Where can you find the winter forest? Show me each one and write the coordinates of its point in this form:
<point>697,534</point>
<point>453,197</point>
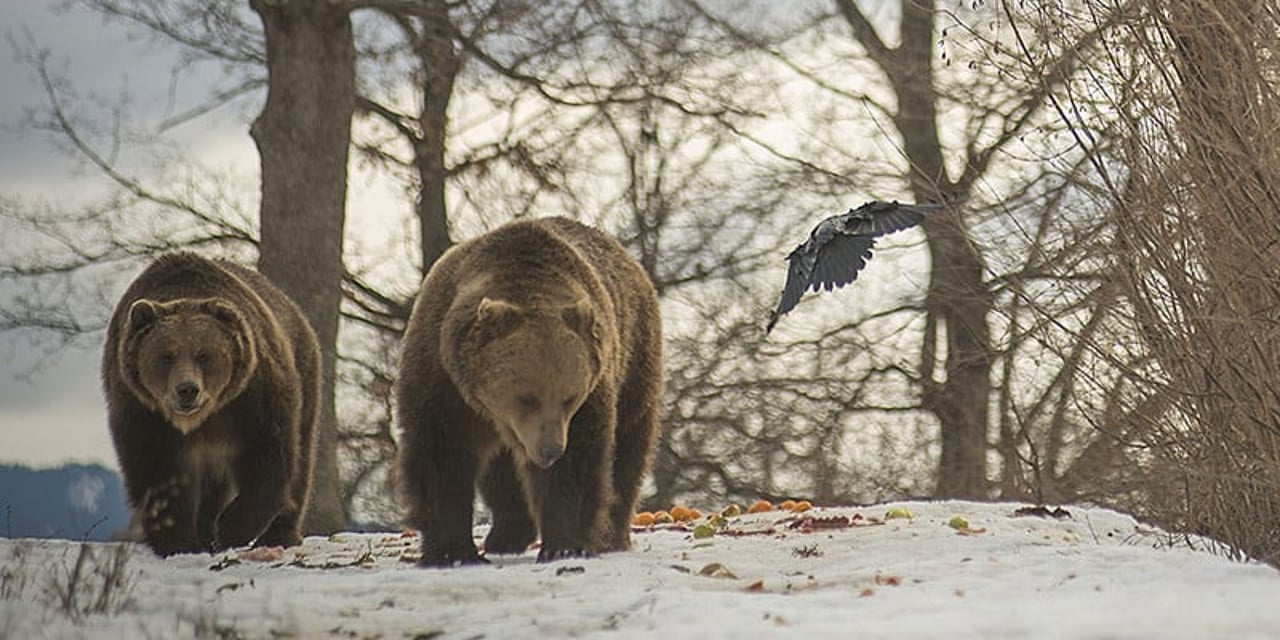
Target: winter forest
<point>1093,319</point>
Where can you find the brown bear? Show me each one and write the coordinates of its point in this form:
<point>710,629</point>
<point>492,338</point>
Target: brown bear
<point>531,366</point>
<point>211,376</point>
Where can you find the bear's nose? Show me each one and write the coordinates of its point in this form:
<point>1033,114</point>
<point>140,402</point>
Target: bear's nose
<point>187,392</point>
<point>548,453</point>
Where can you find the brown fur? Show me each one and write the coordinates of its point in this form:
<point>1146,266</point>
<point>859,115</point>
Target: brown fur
<point>532,366</point>
<point>211,376</point>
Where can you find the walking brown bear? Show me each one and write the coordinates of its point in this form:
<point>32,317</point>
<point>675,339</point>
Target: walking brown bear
<point>211,376</point>
<point>531,366</point>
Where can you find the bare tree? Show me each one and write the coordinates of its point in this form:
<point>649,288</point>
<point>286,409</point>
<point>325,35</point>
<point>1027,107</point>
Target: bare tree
<point>1196,263</point>
<point>945,131</point>
<point>709,141</point>
<point>1171,356</point>
<point>63,256</point>
<point>303,135</point>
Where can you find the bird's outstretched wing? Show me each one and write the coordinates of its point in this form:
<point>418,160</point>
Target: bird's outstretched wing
<point>840,246</point>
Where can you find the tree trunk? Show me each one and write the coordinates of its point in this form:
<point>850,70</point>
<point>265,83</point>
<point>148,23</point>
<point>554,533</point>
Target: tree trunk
<point>303,135</point>
<point>439,63</point>
<point>957,301</point>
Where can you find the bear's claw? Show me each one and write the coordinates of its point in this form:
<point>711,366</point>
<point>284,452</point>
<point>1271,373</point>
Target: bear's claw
<point>448,562</point>
<point>551,555</point>
<point>446,558</point>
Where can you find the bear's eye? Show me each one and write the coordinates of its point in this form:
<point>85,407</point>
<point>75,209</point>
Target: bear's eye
<point>202,357</point>
<point>528,402</point>
<point>168,358</point>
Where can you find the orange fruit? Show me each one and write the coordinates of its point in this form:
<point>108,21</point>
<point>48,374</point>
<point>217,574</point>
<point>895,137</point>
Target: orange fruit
<point>787,505</point>
<point>642,519</point>
<point>802,506</point>
<point>680,513</point>
<point>662,517</point>
<point>760,506</point>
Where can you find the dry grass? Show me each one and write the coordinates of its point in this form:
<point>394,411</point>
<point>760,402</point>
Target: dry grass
<point>96,581</point>
<point>1180,116</point>
<point>14,574</point>
<point>1198,257</point>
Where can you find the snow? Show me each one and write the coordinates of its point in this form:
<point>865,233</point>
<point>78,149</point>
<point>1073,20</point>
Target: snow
<point>1093,574</point>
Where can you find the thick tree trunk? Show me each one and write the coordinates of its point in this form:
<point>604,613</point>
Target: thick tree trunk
<point>439,63</point>
<point>303,134</point>
<point>957,301</point>
<point>958,304</point>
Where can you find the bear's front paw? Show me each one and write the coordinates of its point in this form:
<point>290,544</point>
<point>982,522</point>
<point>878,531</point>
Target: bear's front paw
<point>443,556</point>
<point>279,539</point>
<point>508,541</point>
<point>438,558</point>
<point>158,523</point>
<point>165,545</point>
<point>619,540</point>
<point>244,519</point>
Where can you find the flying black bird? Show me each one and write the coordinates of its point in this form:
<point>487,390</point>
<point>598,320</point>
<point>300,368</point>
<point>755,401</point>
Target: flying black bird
<point>840,246</point>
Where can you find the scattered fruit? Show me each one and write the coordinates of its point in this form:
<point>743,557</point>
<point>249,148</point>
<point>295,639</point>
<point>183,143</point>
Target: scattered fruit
<point>662,517</point>
<point>760,506</point>
<point>717,570</point>
<point>958,522</point>
<point>704,530</point>
<point>680,513</point>
<point>898,512</point>
<point>642,519</point>
<point>732,511</point>
<point>802,506</point>
<point>787,505</point>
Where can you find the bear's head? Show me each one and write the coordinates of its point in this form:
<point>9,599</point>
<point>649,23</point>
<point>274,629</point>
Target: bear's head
<point>186,358</point>
<point>532,368</point>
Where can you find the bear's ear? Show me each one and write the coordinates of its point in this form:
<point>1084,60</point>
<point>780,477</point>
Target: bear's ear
<point>230,317</point>
<point>492,309</point>
<point>142,313</point>
<point>581,317</point>
<point>222,311</point>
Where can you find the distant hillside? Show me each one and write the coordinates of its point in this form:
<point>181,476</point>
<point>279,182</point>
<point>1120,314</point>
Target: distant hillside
<point>76,502</point>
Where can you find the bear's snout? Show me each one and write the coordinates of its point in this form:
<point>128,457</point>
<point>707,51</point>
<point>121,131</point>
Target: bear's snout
<point>186,396</point>
<point>547,454</point>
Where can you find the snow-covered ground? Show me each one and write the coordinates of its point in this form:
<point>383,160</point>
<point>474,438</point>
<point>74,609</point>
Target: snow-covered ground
<point>820,574</point>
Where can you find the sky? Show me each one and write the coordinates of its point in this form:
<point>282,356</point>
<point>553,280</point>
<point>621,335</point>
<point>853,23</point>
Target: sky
<point>1092,574</point>
<point>51,408</point>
